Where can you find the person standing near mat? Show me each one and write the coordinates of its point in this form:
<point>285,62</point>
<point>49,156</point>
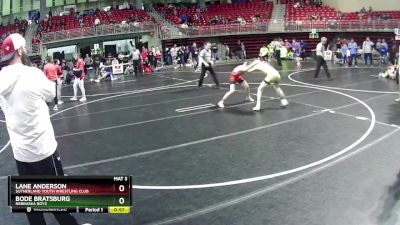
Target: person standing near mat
<point>272,77</point>
<point>296,52</point>
<point>353,53</point>
<point>367,50</point>
<point>320,53</point>
<point>59,81</point>
<point>135,54</point>
<point>278,47</point>
<point>79,72</point>
<point>206,61</point>
<point>51,74</point>
<point>24,91</point>
<point>398,75</point>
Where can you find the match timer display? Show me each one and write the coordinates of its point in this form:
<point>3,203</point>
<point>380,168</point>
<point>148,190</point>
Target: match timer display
<point>72,194</point>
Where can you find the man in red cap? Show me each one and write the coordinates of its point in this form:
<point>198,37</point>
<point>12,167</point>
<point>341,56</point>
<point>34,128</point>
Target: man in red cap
<point>24,91</point>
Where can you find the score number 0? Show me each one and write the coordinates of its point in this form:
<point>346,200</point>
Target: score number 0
<point>121,200</point>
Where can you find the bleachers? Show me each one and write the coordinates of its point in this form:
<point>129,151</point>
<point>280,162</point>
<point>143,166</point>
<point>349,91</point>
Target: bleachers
<point>245,10</point>
<point>6,29</point>
<point>12,28</point>
<point>189,11</point>
<point>329,13</point>
<point>304,12</point>
<point>117,16</point>
<point>372,15</point>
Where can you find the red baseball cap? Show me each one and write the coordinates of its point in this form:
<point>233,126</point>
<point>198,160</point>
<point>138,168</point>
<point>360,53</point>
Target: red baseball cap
<point>10,45</point>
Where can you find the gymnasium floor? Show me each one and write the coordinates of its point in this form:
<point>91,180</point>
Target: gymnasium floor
<point>331,157</point>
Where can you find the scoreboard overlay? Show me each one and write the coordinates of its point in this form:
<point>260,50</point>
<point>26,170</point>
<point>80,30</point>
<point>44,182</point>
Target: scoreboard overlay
<point>70,194</point>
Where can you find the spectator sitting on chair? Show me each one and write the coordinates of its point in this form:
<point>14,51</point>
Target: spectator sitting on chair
<point>81,22</point>
<point>184,18</point>
<point>297,5</point>
<point>97,22</point>
<point>184,26</point>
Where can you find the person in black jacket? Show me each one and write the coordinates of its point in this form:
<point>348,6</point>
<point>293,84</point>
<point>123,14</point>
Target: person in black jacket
<point>151,59</point>
<point>194,51</point>
<point>238,51</point>
<point>96,65</point>
<point>214,51</point>
<point>181,56</point>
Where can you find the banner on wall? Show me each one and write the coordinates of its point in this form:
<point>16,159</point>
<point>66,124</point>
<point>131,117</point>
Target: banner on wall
<point>328,55</point>
<point>118,68</point>
<point>397,34</point>
<point>32,15</point>
<point>67,8</point>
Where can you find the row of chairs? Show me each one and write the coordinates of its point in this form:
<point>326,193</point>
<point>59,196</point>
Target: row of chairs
<point>245,10</point>
<point>117,16</point>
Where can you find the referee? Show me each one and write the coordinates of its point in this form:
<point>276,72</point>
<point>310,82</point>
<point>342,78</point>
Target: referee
<point>278,46</point>
<point>135,54</point>
<point>24,91</point>
<point>320,52</point>
<point>206,65</point>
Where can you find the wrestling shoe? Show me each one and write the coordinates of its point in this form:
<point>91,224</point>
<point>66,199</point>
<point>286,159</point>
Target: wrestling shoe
<point>284,102</point>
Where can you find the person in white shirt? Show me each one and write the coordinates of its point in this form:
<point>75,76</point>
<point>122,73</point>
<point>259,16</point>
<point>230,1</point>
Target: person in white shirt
<point>272,77</point>
<point>320,52</point>
<point>174,55</point>
<point>184,26</point>
<point>97,22</point>
<point>278,47</point>
<point>24,91</point>
<point>135,54</point>
<point>206,62</point>
<point>367,49</point>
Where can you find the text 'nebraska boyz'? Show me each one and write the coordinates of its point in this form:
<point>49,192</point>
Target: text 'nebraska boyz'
<point>39,200</point>
<point>39,188</point>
